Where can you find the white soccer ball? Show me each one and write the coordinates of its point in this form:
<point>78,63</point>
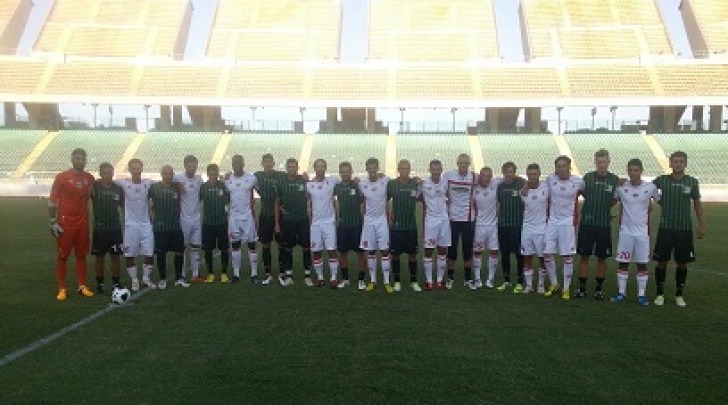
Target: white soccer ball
<point>120,296</point>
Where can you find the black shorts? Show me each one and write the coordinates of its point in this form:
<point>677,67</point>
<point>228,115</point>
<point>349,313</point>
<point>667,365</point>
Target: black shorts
<point>679,241</point>
<point>509,240</point>
<point>111,242</point>
<point>168,241</point>
<point>348,238</point>
<point>296,233</point>
<point>266,229</point>
<point>594,240</point>
<point>215,237</point>
<point>403,242</point>
<point>466,230</point>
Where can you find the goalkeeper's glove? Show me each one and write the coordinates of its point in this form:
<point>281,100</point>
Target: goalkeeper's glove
<point>55,229</point>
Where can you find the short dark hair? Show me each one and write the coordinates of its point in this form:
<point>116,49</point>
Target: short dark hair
<point>105,165</point>
<point>213,166</point>
<point>190,159</point>
<point>635,162</point>
<point>509,164</point>
<point>267,156</point>
<point>291,160</point>
<point>679,154</point>
<point>372,161</point>
<point>435,162</point>
<point>345,164</point>
<point>601,153</point>
<point>78,151</point>
<point>238,157</point>
<point>564,158</point>
<point>533,166</point>
<point>320,160</point>
<point>135,160</point>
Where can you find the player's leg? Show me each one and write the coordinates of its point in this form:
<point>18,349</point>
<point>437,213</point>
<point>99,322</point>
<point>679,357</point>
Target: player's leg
<point>223,244</point>
<point>427,265</point>
<point>456,231</point>
<point>81,250</point>
<point>515,246</point>
<point>684,254</point>
<point>117,247</point>
<point>343,249</point>
<point>603,250</point>
<point>208,245</point>
<point>132,236</point>
<point>176,245</point>
<point>467,238</point>
<point>567,249</point>
<point>362,266</point>
<point>586,239</point>
<point>63,249</point>
<point>317,246</point>
<point>195,245</point>
<point>96,252</point>
<point>444,243</point>
<point>664,245</point>
<point>235,234</point>
<point>550,248</point>
<point>147,250</point>
<point>266,227</point>
<point>441,266</point>
<point>412,249</point>
<point>287,242</point>
<point>478,248</point>
<point>396,255</point>
<point>253,260</point>
<point>527,251</point>
<point>161,246</point>
<point>505,258</point>
<point>368,243</point>
<point>330,244</point>
<point>382,241</point>
<point>303,238</point>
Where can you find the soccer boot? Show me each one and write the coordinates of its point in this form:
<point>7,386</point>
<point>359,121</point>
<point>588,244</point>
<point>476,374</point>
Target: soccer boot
<point>518,289</point>
<point>84,291</point>
<point>428,286</point>
<point>282,279</point>
<point>440,285</point>
<point>135,285</point>
<point>198,279</point>
<point>397,286</point>
<point>565,295</point>
<point>680,301</point>
<point>149,284</point>
<point>478,283</point>
<point>210,278</point>
<point>100,289</point>
<point>504,286</point>
<point>162,284</point>
<point>618,298</point>
<point>642,300</point>
<point>320,282</point>
<point>489,284</point>
<point>553,288</point>
<point>580,294</point>
<point>540,289</point>
<point>308,281</point>
<point>528,290</point>
<point>388,288</point>
<point>362,285</point>
<point>224,278</point>
<point>61,296</point>
<point>334,284</point>
<point>449,283</point>
<point>469,285</point>
<point>343,284</point>
<point>415,286</point>
<point>254,279</point>
<point>599,295</point>
<point>660,300</point>
<point>370,287</point>
<point>233,280</point>
<point>267,279</point>
<point>181,282</point>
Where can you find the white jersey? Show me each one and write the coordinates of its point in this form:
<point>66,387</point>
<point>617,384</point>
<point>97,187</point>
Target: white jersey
<point>375,199</point>
<point>434,196</point>
<point>321,194</point>
<point>136,201</point>
<point>635,202</point>
<point>190,203</point>
<point>241,195</point>
<point>485,199</point>
<point>460,190</point>
<point>536,208</point>
<point>563,198</point>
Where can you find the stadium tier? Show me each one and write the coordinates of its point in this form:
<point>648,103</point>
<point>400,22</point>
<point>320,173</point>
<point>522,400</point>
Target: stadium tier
<point>112,79</point>
<point>707,154</point>
<point>253,146</point>
<point>692,80</point>
<point>20,77</point>
<point>520,149</point>
<point>349,83</point>
<point>621,147</point>
<point>420,149</point>
<point>417,83</point>
<point>16,145</point>
<point>531,82</point>
<point>169,148</point>
<point>274,82</point>
<point>352,148</point>
<point>619,81</point>
<point>175,80</point>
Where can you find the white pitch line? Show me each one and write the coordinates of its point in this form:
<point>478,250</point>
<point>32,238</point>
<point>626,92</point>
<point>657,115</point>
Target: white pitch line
<point>717,273</point>
<point>9,358</point>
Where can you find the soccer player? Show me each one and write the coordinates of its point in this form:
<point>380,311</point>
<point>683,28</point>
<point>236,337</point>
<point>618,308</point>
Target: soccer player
<point>166,199</point>
<point>510,223</point>
<point>535,197</point>
<point>595,231</point>
<point>215,197</point>
<point>635,197</point>
<point>485,199</point>
<point>107,238</point>
<point>323,222</point>
<point>460,183</point>
<point>190,220</point>
<point>404,193</point>
<point>560,234</point>
<point>267,179</point>
<point>375,232</point>
<point>437,225</point>
<point>241,219</point>
<point>138,235</point>
<point>68,222</point>
<point>675,232</point>
<point>349,224</point>
<point>292,222</point>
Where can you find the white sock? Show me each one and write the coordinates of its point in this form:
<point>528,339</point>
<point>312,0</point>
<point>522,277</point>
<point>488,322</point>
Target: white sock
<point>441,264</point>
<point>334,267</point>
<point>318,267</point>
<point>528,274</point>
<point>551,270</point>
<point>385,269</point>
<point>568,272</point>
<point>372,266</point>
<point>235,256</point>
<point>541,277</point>
<point>492,267</point>
<point>132,271</point>
<point>427,264</point>
<point>622,277</point>
<point>477,265</point>
<point>641,284</point>
<point>195,262</point>
<point>147,270</point>
<point>253,257</point>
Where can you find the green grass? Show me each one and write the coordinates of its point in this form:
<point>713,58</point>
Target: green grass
<point>244,344</point>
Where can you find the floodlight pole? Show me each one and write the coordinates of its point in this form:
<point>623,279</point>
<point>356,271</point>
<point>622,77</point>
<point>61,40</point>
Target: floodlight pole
<point>401,119</point>
<point>146,113</point>
<point>453,110</point>
<point>613,110</point>
<point>593,114</point>
<point>95,106</point>
<point>558,111</point>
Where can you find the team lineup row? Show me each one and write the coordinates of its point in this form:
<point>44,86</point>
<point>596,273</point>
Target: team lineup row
<point>490,218</point>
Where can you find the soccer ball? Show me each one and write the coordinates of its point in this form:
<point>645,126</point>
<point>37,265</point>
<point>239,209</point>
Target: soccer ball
<point>120,296</point>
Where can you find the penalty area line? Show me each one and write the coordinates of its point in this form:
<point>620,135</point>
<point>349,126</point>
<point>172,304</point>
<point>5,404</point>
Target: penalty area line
<point>9,358</point>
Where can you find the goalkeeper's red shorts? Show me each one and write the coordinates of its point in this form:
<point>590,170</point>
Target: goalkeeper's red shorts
<point>74,238</point>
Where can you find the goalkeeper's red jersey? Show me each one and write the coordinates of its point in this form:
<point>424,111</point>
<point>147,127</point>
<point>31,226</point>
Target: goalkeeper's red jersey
<point>70,193</point>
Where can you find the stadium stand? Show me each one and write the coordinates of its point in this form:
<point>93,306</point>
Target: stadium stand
<point>712,17</point>
<point>349,83</point>
<point>617,80</point>
<point>707,154</point>
<point>15,146</point>
<point>621,147</point>
<point>179,80</point>
<point>531,148</point>
<point>352,148</point>
<point>427,82</point>
<point>693,79</point>
<point>112,79</point>
<point>522,82</point>
<point>420,148</point>
<point>169,148</point>
<point>253,145</point>
<point>19,76</point>
<point>272,81</point>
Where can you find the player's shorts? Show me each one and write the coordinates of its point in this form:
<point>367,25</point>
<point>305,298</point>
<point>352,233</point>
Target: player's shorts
<point>169,241</point>
<point>242,229</point>
<point>73,238</point>
<point>296,233</point>
<point>111,242</point>
<point>348,238</point>
<point>509,239</point>
<point>594,240</point>
<point>375,236</point>
<point>485,238</point>
<point>403,241</point>
<point>266,229</point>
<point>679,241</point>
<point>215,236</point>
<point>532,242</point>
<point>437,233</point>
<point>633,248</point>
<point>138,240</point>
<point>466,231</point>
<point>191,230</point>
<point>323,237</point>
<point>560,239</point>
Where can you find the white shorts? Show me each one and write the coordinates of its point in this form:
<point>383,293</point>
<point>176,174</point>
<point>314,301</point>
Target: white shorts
<point>323,237</point>
<point>191,230</point>
<point>486,238</point>
<point>532,243</point>
<point>242,229</point>
<point>633,248</point>
<point>138,240</point>
<point>437,233</point>
<point>560,239</point>
<point>374,236</point>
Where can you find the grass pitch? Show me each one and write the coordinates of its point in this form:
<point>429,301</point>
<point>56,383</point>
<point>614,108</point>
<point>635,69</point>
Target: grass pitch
<point>220,343</point>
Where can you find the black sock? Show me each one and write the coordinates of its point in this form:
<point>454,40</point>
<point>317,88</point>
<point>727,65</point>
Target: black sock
<point>162,265</point>
<point>116,280</point>
<point>660,275</point>
<point>413,271</point>
<point>306,259</point>
<point>519,268</point>
<point>395,269</point>
<point>506,265</point>
<point>362,275</point>
<point>450,274</point>
<point>224,260</point>
<point>345,273</point>
<point>681,274</point>
<point>468,274</point>
<point>208,261</point>
<point>178,263</point>
<point>600,282</point>
<point>99,280</point>
<point>582,283</point>
<point>266,259</point>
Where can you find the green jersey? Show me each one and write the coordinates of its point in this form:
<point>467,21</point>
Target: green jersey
<point>294,199</point>
<point>214,197</point>
<point>404,203</point>
<point>349,198</point>
<point>165,206</point>
<point>266,188</point>
<point>107,200</point>
<point>510,205</point>
<point>598,198</point>
<point>675,199</point>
